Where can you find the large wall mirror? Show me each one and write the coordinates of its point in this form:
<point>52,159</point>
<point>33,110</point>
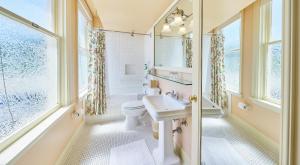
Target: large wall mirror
<point>173,37</point>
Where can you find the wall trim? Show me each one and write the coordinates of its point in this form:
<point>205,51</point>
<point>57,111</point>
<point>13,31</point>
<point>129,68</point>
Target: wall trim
<point>68,147</point>
<point>256,134</point>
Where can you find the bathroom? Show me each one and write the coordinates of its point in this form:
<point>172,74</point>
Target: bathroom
<point>161,82</point>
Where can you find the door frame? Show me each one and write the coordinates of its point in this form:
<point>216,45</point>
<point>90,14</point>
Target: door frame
<point>197,82</point>
<point>289,83</point>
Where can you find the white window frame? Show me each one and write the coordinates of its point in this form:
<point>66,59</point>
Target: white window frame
<point>233,19</point>
<point>265,20</point>
<point>16,135</point>
<point>84,9</point>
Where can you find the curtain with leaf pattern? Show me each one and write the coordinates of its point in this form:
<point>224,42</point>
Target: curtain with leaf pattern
<point>96,98</point>
<point>189,53</point>
<point>218,86</point>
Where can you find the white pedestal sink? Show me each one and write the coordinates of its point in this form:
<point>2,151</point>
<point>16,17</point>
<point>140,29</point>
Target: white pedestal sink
<point>164,109</point>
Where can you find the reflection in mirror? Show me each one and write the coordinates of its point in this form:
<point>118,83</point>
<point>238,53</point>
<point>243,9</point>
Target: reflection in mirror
<point>173,37</point>
<point>237,128</point>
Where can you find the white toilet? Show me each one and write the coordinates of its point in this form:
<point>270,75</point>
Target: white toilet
<point>132,110</point>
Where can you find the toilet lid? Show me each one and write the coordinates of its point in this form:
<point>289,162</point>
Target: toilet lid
<point>133,105</point>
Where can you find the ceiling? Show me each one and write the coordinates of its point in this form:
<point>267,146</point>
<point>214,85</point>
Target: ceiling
<point>130,15</point>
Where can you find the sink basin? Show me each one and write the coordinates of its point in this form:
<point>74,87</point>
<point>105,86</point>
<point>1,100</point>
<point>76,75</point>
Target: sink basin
<point>166,108</point>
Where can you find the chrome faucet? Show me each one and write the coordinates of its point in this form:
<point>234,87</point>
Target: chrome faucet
<point>173,94</point>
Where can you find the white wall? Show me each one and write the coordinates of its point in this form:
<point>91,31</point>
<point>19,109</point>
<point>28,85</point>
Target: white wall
<point>149,48</point>
<point>121,50</point>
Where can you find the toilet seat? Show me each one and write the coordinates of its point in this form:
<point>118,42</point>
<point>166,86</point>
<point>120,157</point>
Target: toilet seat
<point>133,105</point>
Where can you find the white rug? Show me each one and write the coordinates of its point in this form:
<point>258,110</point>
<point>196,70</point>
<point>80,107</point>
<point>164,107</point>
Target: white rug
<point>218,151</point>
<point>135,153</point>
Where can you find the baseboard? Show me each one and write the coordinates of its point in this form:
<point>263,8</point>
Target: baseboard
<point>185,158</point>
<point>255,134</point>
<point>62,159</point>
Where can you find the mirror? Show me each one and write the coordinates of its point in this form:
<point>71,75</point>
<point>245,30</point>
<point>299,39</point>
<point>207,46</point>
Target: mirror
<point>173,37</point>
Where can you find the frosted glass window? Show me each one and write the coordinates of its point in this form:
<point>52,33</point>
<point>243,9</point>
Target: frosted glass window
<point>37,11</point>
<point>28,68</point>
<point>83,51</point>
<point>232,35</point>
<point>274,72</point>
<point>272,50</point>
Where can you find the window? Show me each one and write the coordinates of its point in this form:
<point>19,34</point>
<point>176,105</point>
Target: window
<point>271,47</point>
<point>83,51</point>
<point>232,37</point>
<point>37,11</point>
<point>28,68</point>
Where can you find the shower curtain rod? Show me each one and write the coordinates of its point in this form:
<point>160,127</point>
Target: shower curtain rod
<point>131,33</point>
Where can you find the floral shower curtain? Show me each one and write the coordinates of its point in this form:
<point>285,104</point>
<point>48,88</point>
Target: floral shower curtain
<point>96,98</point>
<point>188,52</point>
<point>218,88</point>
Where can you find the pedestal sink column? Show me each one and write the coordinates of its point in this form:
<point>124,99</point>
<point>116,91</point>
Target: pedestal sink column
<point>164,154</point>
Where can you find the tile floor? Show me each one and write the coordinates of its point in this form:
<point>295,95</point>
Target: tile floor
<point>94,141</point>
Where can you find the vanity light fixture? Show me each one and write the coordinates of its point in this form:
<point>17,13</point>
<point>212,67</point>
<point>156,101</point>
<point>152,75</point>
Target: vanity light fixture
<point>182,30</point>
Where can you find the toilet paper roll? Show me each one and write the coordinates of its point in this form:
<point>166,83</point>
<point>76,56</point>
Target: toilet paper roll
<point>242,106</point>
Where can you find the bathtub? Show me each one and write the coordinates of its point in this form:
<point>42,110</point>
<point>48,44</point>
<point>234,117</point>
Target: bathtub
<point>210,108</point>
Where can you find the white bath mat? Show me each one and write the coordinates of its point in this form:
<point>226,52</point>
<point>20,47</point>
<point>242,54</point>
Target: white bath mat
<point>135,153</point>
<point>218,151</point>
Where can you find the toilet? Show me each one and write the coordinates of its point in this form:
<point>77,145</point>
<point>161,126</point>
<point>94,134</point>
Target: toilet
<point>133,110</point>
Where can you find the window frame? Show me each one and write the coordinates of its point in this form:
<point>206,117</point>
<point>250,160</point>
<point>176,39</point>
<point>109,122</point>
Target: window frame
<point>84,9</point>
<point>219,28</point>
<point>7,141</point>
<point>265,30</point>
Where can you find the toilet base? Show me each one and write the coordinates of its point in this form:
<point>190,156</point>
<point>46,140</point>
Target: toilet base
<point>131,122</point>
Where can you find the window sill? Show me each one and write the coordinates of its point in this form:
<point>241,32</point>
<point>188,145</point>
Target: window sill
<point>238,94</point>
<point>268,105</point>
<point>11,153</point>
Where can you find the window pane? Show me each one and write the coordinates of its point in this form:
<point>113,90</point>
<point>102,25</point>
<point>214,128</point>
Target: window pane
<point>232,35</point>
<point>82,52</point>
<point>37,11</point>
<point>274,72</point>
<point>232,55</point>
<point>83,69</point>
<point>82,30</point>
<point>276,28</point>
<point>232,70</point>
<point>29,61</point>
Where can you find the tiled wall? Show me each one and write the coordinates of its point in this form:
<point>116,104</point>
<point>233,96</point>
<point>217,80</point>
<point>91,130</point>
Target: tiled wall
<point>125,70</point>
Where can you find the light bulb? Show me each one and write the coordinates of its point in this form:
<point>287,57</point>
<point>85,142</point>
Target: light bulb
<point>182,30</point>
<point>177,20</point>
<point>166,28</point>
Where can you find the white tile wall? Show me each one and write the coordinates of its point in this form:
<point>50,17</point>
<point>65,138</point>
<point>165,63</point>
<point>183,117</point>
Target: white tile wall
<point>121,50</point>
